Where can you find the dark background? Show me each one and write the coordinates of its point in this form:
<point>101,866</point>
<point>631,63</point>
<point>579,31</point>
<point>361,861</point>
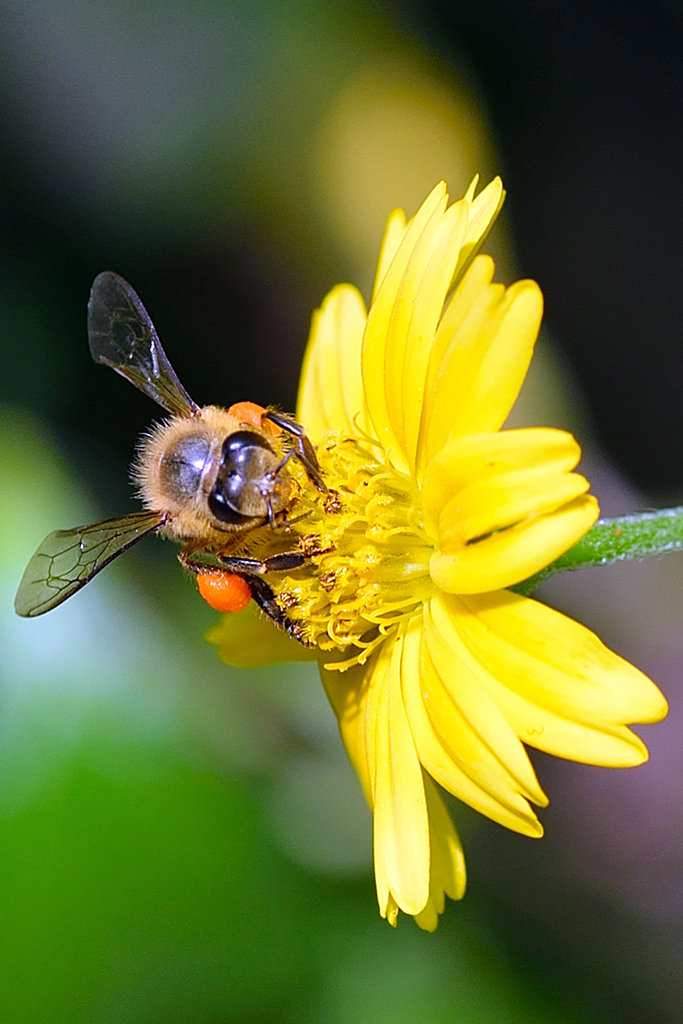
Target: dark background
<point>586,102</point>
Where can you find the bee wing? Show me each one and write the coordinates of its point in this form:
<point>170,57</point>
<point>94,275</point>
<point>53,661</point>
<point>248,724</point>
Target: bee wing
<point>121,335</point>
<point>68,559</point>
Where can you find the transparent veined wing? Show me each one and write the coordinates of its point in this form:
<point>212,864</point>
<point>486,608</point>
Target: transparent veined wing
<point>68,559</point>
<point>121,335</point>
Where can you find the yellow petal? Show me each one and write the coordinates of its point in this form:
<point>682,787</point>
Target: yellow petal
<point>248,639</point>
<point>502,559</point>
<point>485,507</point>
<point>485,457</point>
<point>558,685</point>
<point>390,910</point>
<point>414,322</point>
<point>482,213</point>
<point>401,826</point>
<point>462,739</point>
<point>427,257</point>
<point>479,359</point>
<point>393,235</point>
<point>447,867</point>
<point>354,702</point>
<point>331,390</point>
<point>388,319</point>
<point>418,855</point>
<point>448,875</point>
<point>501,506</point>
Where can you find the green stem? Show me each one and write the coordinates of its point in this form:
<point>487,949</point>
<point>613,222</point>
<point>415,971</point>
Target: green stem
<point>618,539</point>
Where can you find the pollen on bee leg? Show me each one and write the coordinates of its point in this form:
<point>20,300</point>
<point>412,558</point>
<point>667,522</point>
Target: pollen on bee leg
<point>251,413</point>
<point>224,591</point>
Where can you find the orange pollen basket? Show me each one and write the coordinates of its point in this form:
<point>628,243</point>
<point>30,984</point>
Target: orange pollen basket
<point>251,413</point>
<point>225,592</point>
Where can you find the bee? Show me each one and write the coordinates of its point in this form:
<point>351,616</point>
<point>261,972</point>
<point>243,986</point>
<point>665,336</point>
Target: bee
<point>207,476</point>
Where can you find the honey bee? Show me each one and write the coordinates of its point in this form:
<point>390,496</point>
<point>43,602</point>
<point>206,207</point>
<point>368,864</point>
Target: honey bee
<point>207,476</point>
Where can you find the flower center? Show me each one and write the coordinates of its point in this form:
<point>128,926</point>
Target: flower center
<point>368,563</point>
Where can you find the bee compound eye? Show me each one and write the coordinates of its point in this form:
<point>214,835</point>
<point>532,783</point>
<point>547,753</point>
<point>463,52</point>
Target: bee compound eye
<point>222,502</point>
<point>247,460</point>
<point>183,465</point>
<point>240,447</point>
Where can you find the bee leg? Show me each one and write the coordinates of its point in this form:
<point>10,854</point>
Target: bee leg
<point>259,566</point>
<point>302,447</point>
<point>243,566</point>
<point>251,570</point>
<point>265,599</point>
<point>195,565</point>
<point>187,562</point>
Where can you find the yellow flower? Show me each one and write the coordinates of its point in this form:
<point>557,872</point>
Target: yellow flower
<point>438,673</point>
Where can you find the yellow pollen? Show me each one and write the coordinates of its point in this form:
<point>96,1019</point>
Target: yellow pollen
<point>367,556</point>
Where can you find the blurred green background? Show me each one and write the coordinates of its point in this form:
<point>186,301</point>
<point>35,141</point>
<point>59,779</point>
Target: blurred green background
<point>180,842</point>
